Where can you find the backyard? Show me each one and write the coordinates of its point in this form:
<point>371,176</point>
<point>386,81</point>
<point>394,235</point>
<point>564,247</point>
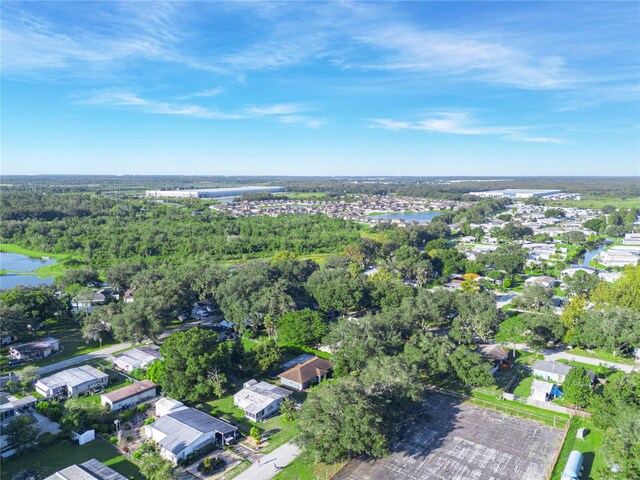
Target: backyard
<point>277,429</point>
<point>48,460</point>
<point>590,447</point>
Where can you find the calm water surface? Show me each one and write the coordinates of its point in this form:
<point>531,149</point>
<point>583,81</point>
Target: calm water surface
<point>422,217</point>
<point>22,263</point>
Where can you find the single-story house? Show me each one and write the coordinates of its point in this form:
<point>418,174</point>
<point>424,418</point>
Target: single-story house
<point>555,371</point>
<point>184,430</point>
<point>167,405</point>
<point>7,339</point>
<point>90,470</point>
<point>544,280</point>
<point>140,357</point>
<point>498,355</point>
<point>129,396</point>
<point>259,400</point>
<point>541,391</point>
<point>72,382</point>
<point>305,374</point>
<point>34,350</point>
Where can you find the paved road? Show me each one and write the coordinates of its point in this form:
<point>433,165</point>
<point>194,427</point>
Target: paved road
<point>555,355</point>
<point>591,361</point>
<point>108,351</point>
<point>271,463</point>
<point>95,355</point>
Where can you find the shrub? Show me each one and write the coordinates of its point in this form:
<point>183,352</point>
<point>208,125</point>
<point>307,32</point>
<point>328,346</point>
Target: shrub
<point>47,439</point>
<point>113,439</point>
<point>143,407</point>
<point>126,416</point>
<point>149,421</point>
<point>129,438</point>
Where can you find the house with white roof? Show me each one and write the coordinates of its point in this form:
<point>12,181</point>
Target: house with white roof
<point>135,358</point>
<point>260,400</point>
<point>184,431</point>
<point>72,382</point>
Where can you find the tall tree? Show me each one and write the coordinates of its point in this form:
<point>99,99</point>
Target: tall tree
<point>577,387</point>
<point>339,420</point>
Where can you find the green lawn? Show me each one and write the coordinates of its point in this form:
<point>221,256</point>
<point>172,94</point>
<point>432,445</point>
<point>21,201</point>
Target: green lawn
<point>590,447</point>
<point>71,342</point>
<point>303,468</point>
<point>602,355</point>
<point>523,389</point>
<point>48,460</point>
<point>276,428</point>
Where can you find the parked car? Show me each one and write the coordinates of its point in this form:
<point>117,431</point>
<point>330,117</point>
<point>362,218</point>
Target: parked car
<point>13,363</point>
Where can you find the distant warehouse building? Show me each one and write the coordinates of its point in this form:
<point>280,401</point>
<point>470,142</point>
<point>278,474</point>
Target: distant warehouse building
<point>212,192</point>
<point>516,193</point>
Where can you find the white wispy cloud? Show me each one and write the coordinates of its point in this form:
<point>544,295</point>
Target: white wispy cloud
<point>290,114</point>
<point>120,98</point>
<point>462,123</point>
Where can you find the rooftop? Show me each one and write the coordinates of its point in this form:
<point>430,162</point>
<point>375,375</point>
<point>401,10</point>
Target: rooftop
<point>130,391</point>
<point>307,371</point>
<point>73,377</point>
<point>90,470</point>
<point>259,396</point>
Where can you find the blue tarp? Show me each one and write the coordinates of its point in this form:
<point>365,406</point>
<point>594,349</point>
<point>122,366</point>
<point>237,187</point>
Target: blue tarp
<point>556,391</point>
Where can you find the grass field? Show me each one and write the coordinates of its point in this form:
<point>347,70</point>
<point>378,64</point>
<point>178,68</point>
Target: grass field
<point>304,468</point>
<point>602,355</point>
<point>590,447</point>
<point>48,460</point>
<point>71,342</point>
<point>590,201</point>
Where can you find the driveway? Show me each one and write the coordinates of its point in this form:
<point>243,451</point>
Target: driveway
<point>270,464</point>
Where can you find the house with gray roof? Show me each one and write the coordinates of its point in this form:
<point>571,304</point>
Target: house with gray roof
<point>140,357</point>
<point>90,470</point>
<point>185,431</point>
<point>260,400</point>
<point>72,382</point>
<point>555,371</point>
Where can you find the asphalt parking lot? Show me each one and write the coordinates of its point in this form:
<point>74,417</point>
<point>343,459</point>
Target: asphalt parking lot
<point>453,441</point>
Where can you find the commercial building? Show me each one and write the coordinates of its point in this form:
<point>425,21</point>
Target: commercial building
<point>185,431</point>
<point>90,470</point>
<point>516,193</point>
<point>212,192</point>
<point>72,382</point>
<point>129,396</point>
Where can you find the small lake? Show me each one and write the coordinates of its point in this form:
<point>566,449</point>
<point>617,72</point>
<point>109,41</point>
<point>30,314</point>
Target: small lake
<point>21,263</point>
<point>592,251</point>
<point>421,217</point>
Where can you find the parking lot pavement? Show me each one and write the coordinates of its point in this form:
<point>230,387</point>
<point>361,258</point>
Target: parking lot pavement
<point>453,441</point>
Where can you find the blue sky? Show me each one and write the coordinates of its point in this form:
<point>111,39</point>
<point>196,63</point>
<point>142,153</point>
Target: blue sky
<point>310,88</point>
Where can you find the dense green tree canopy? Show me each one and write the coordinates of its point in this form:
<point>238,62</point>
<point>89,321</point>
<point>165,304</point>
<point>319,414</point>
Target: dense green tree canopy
<point>194,364</point>
<point>302,327</point>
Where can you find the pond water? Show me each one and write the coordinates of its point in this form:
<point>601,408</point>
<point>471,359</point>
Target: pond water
<point>421,217</point>
<point>592,251</point>
<point>21,263</point>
